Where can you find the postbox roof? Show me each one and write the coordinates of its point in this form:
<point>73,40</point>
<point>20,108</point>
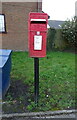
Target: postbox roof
<point>34,15</point>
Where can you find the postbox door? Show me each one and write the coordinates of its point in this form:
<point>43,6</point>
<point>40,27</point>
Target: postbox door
<point>37,44</point>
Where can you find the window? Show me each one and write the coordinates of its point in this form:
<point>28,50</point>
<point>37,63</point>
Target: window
<point>2,23</point>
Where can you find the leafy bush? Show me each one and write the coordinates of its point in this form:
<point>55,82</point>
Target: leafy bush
<point>59,42</point>
<point>50,38</point>
<point>55,40</point>
<point>69,31</point>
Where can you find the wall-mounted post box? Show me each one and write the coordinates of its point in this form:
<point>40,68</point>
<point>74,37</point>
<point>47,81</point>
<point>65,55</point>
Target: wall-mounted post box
<point>37,34</point>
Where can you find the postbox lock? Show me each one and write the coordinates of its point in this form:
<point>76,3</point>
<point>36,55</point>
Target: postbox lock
<point>38,32</point>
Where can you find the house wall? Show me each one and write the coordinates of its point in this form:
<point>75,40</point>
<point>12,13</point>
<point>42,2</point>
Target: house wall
<point>16,16</point>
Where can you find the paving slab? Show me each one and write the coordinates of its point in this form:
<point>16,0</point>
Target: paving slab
<point>49,115</point>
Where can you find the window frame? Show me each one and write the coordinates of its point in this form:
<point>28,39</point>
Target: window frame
<point>4,25</point>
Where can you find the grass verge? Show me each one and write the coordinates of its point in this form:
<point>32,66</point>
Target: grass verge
<point>57,83</point>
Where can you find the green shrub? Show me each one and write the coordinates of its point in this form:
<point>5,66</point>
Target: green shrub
<point>69,31</point>
<point>55,40</point>
<point>59,42</point>
<point>50,38</point>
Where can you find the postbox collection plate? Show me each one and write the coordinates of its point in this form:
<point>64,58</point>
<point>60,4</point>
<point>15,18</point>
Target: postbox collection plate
<point>37,42</point>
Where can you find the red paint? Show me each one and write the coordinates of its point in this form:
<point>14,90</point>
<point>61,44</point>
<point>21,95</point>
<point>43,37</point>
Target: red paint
<point>37,23</point>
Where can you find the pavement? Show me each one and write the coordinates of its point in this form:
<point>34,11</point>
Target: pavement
<point>49,115</point>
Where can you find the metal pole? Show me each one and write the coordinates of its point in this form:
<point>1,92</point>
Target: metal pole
<point>36,79</point>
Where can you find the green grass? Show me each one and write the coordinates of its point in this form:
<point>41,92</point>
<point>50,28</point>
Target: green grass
<point>57,79</point>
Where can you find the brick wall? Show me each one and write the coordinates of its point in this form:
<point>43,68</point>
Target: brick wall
<point>16,15</point>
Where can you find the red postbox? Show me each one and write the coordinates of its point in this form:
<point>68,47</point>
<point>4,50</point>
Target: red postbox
<point>37,34</point>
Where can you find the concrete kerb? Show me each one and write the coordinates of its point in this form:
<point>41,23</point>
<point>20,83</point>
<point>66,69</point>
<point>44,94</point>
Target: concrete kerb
<point>39,114</point>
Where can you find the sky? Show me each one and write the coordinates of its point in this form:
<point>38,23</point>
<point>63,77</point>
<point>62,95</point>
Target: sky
<point>59,9</point>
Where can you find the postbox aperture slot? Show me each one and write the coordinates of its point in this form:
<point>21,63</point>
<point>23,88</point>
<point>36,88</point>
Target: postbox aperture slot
<point>38,21</point>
